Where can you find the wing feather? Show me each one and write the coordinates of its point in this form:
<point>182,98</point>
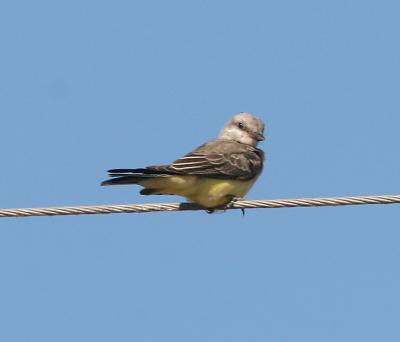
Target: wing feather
<point>239,165</point>
<point>216,159</point>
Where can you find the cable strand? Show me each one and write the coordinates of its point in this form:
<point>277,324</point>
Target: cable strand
<point>158,207</point>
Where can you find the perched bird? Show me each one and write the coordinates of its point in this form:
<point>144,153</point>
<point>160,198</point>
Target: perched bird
<point>214,174</point>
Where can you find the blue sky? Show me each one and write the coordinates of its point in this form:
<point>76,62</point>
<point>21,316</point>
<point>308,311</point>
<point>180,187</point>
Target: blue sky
<point>90,85</point>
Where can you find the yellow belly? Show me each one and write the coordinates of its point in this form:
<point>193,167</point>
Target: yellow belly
<point>207,192</point>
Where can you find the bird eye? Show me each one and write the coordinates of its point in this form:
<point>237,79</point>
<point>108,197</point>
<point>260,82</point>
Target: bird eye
<point>240,125</point>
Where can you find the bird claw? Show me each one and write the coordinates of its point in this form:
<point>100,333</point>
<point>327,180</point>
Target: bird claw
<point>232,203</point>
<point>229,205</point>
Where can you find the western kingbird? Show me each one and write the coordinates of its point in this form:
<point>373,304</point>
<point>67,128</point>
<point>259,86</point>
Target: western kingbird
<point>214,174</point>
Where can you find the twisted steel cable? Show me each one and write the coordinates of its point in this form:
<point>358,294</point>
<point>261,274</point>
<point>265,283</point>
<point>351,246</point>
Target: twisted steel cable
<point>241,204</point>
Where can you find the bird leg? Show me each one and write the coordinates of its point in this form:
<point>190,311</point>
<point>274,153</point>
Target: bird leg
<point>229,205</point>
<point>232,201</point>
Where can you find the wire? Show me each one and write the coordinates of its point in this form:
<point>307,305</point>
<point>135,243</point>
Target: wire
<point>241,204</point>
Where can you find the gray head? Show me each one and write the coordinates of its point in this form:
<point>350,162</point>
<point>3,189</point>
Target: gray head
<point>244,128</point>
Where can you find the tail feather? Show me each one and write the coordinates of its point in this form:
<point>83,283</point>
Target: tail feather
<point>131,176</point>
<point>121,180</point>
<point>149,191</point>
<point>131,172</point>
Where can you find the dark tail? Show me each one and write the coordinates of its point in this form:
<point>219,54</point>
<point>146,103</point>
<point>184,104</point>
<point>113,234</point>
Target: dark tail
<point>121,180</point>
<point>129,176</point>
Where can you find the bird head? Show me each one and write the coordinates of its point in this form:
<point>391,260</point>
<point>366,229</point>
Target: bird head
<point>243,128</point>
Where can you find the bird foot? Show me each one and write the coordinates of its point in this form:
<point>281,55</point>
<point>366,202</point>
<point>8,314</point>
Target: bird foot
<point>227,206</point>
<point>232,203</point>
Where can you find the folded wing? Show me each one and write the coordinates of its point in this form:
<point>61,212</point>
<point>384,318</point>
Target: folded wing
<point>216,159</point>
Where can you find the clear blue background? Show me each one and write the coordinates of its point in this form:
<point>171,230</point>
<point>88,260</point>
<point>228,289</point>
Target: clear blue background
<point>90,85</point>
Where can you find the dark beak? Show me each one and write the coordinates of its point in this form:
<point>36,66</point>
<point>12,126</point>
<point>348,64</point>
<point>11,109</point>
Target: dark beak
<point>259,136</point>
